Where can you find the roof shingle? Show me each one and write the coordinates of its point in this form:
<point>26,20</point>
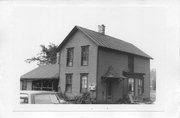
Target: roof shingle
<point>112,43</point>
<point>106,41</point>
<point>43,72</point>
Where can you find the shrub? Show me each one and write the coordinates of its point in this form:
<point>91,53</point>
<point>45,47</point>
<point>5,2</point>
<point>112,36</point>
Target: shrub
<point>85,98</point>
<point>123,100</point>
<point>147,101</point>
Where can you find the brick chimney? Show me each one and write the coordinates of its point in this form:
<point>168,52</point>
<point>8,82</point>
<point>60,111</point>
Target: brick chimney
<point>101,29</point>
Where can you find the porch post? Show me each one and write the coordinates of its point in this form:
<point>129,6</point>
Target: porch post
<point>122,87</point>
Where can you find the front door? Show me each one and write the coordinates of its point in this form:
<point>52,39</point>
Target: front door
<point>109,92</point>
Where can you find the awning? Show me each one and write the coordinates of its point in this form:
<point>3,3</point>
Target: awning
<point>133,75</point>
<point>43,72</point>
<point>112,75</point>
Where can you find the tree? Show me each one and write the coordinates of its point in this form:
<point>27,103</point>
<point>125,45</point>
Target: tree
<point>153,78</point>
<point>46,56</point>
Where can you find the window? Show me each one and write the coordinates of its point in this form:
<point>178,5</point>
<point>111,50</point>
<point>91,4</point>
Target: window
<point>140,86</point>
<point>24,84</point>
<point>70,52</point>
<point>37,85</point>
<point>42,85</point>
<point>68,83</point>
<point>84,83</point>
<point>131,87</point>
<point>84,55</point>
<point>131,63</point>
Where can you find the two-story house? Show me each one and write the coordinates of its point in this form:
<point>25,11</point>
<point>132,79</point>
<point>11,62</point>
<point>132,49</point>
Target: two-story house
<point>107,66</point>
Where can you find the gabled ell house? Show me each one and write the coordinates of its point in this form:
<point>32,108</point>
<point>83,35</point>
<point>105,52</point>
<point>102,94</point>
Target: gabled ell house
<point>110,68</point>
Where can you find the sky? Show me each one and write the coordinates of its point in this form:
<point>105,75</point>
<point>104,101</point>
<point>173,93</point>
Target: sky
<point>152,27</point>
<point>31,25</point>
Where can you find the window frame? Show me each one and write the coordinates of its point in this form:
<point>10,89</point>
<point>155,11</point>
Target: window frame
<point>141,86</point>
<point>131,63</point>
<point>43,85</point>
<point>84,55</point>
<point>68,59</point>
<point>69,84</point>
<point>81,85</point>
<point>133,85</point>
<point>24,84</point>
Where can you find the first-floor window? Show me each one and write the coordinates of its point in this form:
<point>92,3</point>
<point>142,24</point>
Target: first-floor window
<point>46,85</point>
<point>37,85</point>
<point>140,86</point>
<point>24,84</point>
<point>68,83</point>
<point>84,83</point>
<point>131,87</point>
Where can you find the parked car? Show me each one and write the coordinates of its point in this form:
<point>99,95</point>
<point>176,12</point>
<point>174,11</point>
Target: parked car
<point>40,97</point>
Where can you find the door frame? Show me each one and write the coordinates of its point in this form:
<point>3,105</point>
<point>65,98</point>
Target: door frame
<point>109,95</point>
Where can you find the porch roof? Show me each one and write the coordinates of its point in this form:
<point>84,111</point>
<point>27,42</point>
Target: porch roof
<point>43,72</point>
<point>133,75</point>
<point>111,74</point>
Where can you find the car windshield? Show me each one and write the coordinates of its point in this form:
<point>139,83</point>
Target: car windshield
<point>45,99</point>
<point>23,98</point>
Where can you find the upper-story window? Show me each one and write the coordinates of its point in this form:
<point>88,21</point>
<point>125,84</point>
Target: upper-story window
<point>85,55</point>
<point>70,53</point>
<point>131,63</point>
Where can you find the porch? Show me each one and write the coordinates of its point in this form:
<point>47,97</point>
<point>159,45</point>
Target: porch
<point>120,86</point>
<point>41,78</point>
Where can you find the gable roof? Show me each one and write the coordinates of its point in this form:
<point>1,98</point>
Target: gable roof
<point>43,72</point>
<point>106,41</point>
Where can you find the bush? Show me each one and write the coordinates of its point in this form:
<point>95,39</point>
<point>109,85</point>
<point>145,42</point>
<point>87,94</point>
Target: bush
<point>147,101</point>
<point>85,98</point>
<point>123,100</point>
